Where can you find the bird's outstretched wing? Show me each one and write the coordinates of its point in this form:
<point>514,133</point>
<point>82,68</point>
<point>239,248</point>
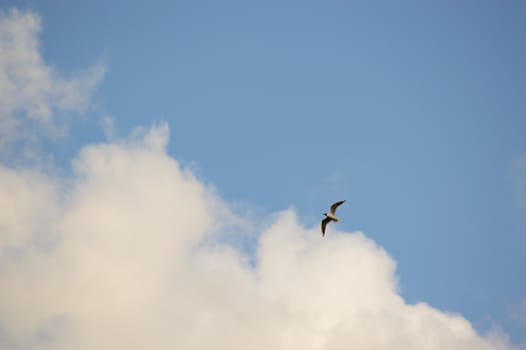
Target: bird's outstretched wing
<point>324,223</point>
<point>336,205</point>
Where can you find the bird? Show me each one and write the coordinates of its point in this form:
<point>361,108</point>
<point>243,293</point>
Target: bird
<point>330,216</point>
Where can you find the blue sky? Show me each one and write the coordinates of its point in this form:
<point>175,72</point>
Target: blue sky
<point>414,112</point>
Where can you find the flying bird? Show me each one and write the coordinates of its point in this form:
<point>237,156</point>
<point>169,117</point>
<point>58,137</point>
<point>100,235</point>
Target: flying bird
<point>331,216</point>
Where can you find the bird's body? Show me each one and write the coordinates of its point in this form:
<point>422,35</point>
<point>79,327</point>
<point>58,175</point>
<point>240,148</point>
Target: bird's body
<point>330,216</point>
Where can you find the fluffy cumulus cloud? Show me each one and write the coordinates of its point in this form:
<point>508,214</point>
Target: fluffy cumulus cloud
<point>128,253</point>
<point>33,93</point>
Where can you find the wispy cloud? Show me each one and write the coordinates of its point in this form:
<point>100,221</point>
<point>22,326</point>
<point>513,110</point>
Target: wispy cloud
<point>107,122</point>
<point>126,254</point>
<point>32,93</point>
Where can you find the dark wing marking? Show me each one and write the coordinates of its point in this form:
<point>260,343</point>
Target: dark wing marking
<point>336,205</point>
<point>324,223</point>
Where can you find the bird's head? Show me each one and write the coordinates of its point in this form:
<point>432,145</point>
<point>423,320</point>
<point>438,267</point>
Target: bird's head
<point>325,214</point>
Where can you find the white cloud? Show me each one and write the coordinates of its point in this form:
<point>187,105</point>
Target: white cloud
<point>31,91</point>
<point>127,254</point>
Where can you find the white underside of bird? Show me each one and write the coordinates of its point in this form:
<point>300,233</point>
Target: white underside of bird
<point>330,216</point>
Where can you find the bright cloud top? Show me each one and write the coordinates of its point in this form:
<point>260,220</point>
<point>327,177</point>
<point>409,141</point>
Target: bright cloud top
<point>31,91</point>
<point>127,254</point>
